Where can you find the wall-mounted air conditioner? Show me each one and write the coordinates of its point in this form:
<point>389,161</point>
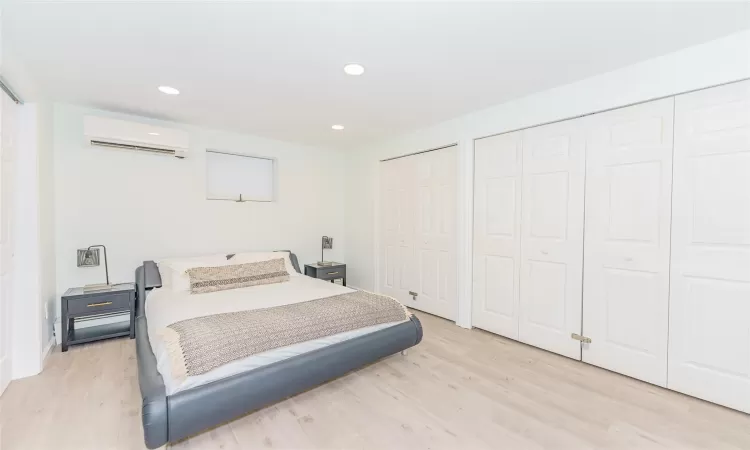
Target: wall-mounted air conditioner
<point>124,135</point>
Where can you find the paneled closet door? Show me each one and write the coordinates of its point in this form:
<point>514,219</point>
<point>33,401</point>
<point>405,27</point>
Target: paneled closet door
<point>497,233</point>
<point>397,228</point>
<point>435,232</point>
<point>709,334</point>
<point>626,250</point>
<point>552,236</point>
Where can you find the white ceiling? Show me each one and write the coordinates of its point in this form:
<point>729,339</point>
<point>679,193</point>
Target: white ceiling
<point>275,69</point>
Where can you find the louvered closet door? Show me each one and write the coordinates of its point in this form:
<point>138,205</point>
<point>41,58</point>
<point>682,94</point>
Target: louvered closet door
<point>626,251</point>
<point>552,236</point>
<point>397,228</point>
<point>497,233</point>
<point>709,342</point>
<point>435,232</point>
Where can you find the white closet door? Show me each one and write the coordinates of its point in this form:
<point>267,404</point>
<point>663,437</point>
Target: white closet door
<point>397,228</point>
<point>9,112</point>
<point>552,236</point>
<point>626,256</point>
<point>709,340</point>
<point>435,232</point>
<point>497,233</point>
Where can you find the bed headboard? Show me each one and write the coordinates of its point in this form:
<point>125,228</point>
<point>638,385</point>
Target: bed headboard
<point>293,258</point>
<point>147,277</point>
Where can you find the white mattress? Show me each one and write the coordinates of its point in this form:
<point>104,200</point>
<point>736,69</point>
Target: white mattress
<point>164,307</point>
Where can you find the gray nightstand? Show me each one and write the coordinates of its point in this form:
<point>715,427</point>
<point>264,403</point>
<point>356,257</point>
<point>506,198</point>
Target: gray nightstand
<point>332,272</point>
<point>77,304</point>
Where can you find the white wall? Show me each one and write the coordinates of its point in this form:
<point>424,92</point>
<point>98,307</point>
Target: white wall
<point>716,62</point>
<point>46,190</point>
<point>27,303</point>
<point>33,276</point>
<point>144,206</point>
<point>33,238</point>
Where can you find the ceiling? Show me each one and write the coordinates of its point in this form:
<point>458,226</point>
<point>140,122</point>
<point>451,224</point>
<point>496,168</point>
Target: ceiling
<point>276,69</point>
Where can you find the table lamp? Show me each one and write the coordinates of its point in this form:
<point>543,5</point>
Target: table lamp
<point>89,257</point>
<point>326,243</point>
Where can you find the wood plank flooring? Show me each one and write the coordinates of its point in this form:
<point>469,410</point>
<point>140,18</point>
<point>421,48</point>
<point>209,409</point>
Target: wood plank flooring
<point>459,388</point>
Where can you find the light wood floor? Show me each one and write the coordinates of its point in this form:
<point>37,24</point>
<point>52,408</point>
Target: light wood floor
<point>458,389</point>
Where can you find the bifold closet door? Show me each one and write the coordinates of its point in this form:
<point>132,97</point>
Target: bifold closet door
<point>418,231</point>
<point>552,236</point>
<point>435,232</point>
<point>497,233</point>
<point>397,228</point>
<point>709,332</point>
<point>626,249</point>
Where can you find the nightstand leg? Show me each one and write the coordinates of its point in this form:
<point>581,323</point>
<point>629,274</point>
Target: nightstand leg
<point>64,331</point>
<point>344,281</point>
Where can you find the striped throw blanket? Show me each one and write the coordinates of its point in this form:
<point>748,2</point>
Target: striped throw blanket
<point>196,346</point>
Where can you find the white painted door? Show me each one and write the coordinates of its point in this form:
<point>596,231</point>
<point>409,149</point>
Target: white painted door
<point>552,236</point>
<point>709,337</point>
<point>397,228</point>
<point>8,116</point>
<point>418,231</point>
<point>497,233</point>
<point>435,238</point>
<point>626,248</point>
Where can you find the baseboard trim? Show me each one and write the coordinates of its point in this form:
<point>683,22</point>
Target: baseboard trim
<point>48,350</point>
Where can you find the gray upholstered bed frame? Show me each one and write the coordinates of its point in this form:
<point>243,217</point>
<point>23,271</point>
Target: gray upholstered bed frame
<point>170,418</point>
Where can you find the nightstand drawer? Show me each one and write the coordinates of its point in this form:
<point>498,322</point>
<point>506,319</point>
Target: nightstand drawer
<point>327,273</point>
<point>331,273</point>
<point>95,304</point>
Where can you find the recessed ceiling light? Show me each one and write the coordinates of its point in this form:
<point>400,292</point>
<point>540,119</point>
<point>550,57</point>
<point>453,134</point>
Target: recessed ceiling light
<point>169,90</point>
<point>354,69</point>
<point>154,134</point>
<point>338,127</point>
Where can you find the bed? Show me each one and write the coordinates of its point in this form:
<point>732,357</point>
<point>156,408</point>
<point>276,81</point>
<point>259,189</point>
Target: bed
<point>174,409</point>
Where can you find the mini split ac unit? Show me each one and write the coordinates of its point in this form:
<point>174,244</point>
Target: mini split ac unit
<point>124,135</point>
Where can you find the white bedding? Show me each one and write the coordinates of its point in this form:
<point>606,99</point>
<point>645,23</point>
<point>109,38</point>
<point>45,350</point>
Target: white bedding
<point>165,306</point>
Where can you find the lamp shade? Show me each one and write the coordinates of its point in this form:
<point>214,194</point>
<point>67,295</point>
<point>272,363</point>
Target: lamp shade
<point>88,257</point>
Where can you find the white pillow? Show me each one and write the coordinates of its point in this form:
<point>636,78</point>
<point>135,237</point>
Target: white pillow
<point>250,257</point>
<point>173,270</point>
